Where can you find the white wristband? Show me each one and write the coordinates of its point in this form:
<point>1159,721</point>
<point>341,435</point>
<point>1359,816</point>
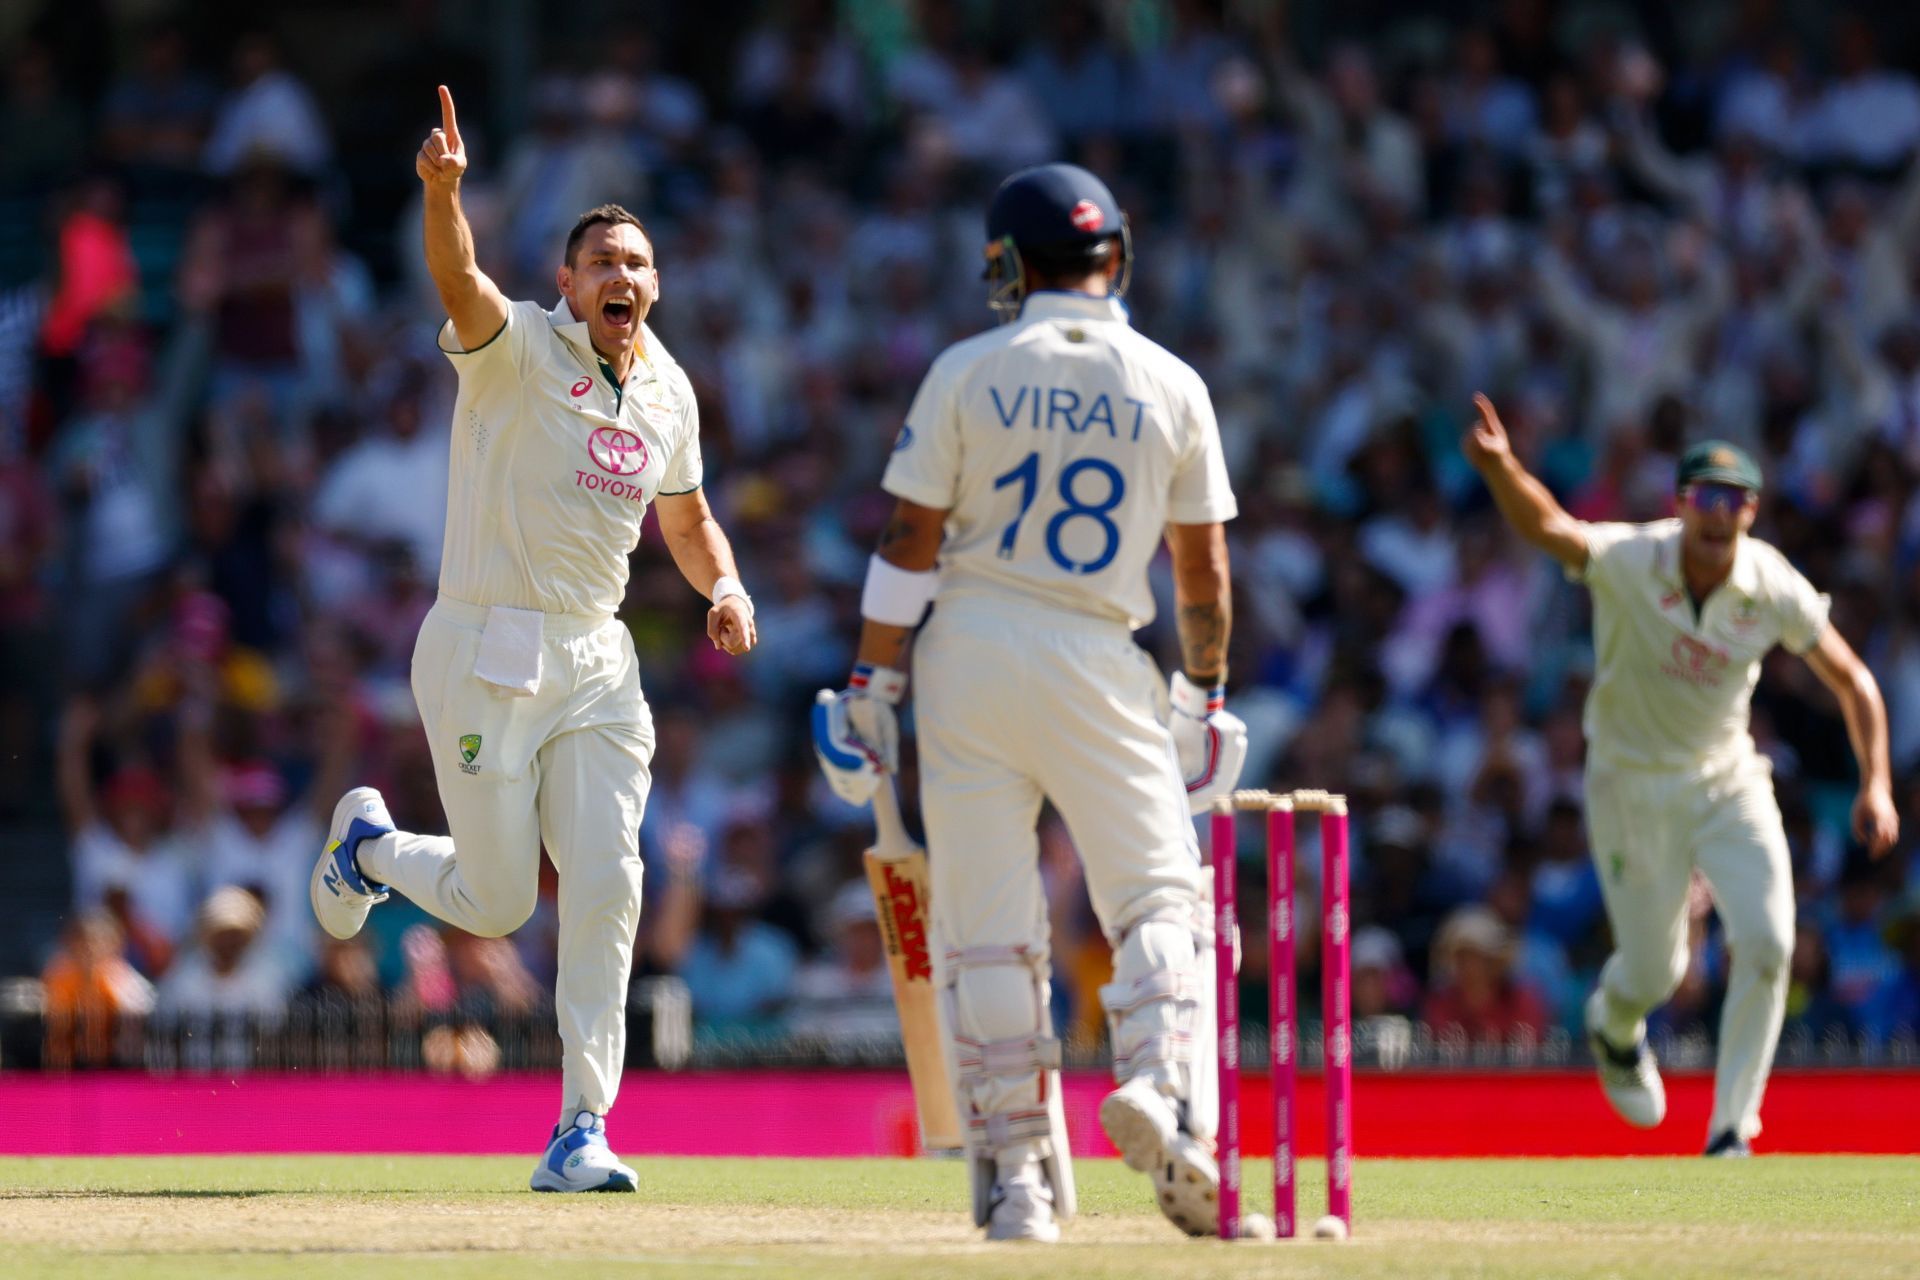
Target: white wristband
<point>732,587</point>
<point>898,597</point>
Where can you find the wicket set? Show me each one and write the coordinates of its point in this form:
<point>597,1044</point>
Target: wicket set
<point>1282,1013</point>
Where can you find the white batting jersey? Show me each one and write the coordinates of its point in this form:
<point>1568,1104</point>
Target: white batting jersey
<point>1672,687</point>
<point>1061,446</point>
<point>554,464</point>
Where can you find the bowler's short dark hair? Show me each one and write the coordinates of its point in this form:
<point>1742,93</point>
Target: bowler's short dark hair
<point>609,215</point>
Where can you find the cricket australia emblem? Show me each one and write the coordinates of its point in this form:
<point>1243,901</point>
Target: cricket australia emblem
<point>469,751</point>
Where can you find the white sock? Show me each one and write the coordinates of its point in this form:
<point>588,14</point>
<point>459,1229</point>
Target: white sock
<point>1621,1025</point>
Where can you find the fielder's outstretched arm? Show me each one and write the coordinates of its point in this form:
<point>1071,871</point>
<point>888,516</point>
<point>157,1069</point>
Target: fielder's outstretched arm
<point>1203,599</point>
<point>474,303</point>
<point>1876,822</point>
<point>910,542</point>
<point>1527,505</point>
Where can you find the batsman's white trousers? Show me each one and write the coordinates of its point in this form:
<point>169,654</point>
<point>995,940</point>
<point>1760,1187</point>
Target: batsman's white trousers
<point>567,766</point>
<point>1015,703</point>
<point>1649,831</point>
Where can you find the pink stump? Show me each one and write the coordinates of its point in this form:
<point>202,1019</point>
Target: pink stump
<point>1282,1051</point>
<point>1226,972</point>
<point>1337,1007</point>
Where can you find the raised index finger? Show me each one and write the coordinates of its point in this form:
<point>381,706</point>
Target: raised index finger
<point>447,123</point>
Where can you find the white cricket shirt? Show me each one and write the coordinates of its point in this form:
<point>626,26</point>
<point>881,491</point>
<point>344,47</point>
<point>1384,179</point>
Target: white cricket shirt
<point>1061,446</point>
<point>553,466</point>
<point>1672,690</point>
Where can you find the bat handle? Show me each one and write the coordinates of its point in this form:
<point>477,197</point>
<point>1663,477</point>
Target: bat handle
<point>889,828</point>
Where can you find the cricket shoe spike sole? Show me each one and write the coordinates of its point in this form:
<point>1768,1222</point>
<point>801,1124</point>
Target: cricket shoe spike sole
<point>578,1159</point>
<point>341,896</point>
<point>1630,1078</point>
<point>1141,1124</point>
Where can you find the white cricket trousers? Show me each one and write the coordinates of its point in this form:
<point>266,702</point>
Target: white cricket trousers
<point>1015,703</point>
<point>567,767</point>
<point>1649,831</point>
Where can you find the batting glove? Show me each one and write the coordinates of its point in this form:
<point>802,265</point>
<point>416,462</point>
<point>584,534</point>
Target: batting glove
<point>1210,740</point>
<point>856,733</point>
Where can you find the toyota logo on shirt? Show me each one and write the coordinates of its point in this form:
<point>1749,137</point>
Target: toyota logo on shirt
<point>617,452</point>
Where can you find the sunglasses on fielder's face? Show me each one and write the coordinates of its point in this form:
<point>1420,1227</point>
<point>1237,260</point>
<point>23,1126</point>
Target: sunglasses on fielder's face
<point>1710,498</point>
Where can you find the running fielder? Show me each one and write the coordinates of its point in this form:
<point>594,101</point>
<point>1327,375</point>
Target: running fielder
<point>568,423</point>
<point>1041,465</point>
<point>1683,612</point>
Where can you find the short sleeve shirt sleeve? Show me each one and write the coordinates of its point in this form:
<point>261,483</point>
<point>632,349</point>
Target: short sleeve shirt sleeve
<point>504,355</point>
<point>1201,493</point>
<point>1606,547</point>
<point>685,470</point>
<point>925,466</point>
<point>1802,610</point>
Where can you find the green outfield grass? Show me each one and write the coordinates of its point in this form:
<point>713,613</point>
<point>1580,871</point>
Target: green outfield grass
<point>377,1217</point>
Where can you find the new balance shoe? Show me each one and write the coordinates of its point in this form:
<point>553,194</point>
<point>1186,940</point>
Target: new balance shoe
<point>578,1159</point>
<point>341,895</point>
<point>1727,1144</point>
<point>1629,1077</point>
<point>1022,1204</point>
<point>1143,1126</point>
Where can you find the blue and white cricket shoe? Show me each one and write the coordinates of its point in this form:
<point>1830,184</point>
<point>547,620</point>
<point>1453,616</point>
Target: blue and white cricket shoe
<point>1728,1144</point>
<point>578,1159</point>
<point>1629,1077</point>
<point>341,895</point>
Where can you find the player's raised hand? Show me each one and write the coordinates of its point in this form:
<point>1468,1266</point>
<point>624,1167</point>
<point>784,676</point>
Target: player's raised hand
<point>443,157</point>
<point>730,626</point>
<point>1485,443</point>
<point>1876,823</point>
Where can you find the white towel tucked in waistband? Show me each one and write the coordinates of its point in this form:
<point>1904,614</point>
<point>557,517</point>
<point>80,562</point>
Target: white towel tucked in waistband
<point>509,656</point>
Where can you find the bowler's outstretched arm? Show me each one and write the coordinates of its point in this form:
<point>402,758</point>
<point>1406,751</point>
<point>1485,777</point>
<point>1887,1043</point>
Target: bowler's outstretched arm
<point>474,303</point>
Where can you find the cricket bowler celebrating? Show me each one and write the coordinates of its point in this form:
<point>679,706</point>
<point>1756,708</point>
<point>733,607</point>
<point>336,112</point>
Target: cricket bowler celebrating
<point>567,424</point>
<point>1041,465</point>
<point>1683,612</point>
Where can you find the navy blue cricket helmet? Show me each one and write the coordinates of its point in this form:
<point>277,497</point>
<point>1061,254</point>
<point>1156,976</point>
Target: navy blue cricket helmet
<point>1057,217</point>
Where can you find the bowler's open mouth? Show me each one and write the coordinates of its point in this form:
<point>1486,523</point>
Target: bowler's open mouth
<point>618,312</point>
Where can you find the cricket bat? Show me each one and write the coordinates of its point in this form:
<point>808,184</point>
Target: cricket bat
<point>897,874</point>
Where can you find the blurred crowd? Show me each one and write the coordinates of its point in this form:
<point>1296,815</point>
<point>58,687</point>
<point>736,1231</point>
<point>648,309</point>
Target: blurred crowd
<point>223,454</point>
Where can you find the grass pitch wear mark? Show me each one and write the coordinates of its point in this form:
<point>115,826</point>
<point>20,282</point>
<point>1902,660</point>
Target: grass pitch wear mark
<point>1838,1218</point>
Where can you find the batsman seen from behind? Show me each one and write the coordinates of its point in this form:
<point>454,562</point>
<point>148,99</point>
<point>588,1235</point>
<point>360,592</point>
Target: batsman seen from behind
<point>1683,612</point>
<point>568,423</point>
<point>1041,465</point>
